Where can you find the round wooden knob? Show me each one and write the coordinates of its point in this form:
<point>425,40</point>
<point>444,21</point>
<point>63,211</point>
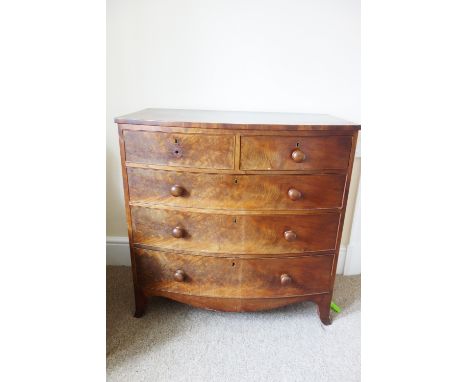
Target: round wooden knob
<point>285,279</point>
<point>294,194</point>
<point>298,156</point>
<point>290,235</point>
<point>179,275</point>
<point>178,232</point>
<point>177,190</point>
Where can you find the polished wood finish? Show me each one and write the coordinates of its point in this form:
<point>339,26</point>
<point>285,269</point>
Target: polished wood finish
<point>290,235</point>
<point>178,232</point>
<point>234,304</point>
<point>233,277</point>
<point>237,192</point>
<point>261,277</point>
<point>282,153</point>
<point>176,190</point>
<point>239,234</point>
<point>294,194</point>
<point>235,211</point>
<point>141,300</point>
<point>236,120</point>
<point>185,150</point>
<point>298,156</point>
<point>203,276</point>
<point>179,275</point>
<point>285,279</point>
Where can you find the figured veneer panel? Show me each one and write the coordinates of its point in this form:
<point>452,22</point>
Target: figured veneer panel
<point>275,152</point>
<point>307,274</point>
<point>232,277</point>
<point>226,233</point>
<point>182,150</point>
<point>226,191</point>
<point>203,276</point>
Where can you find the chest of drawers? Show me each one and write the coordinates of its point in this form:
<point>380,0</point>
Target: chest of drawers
<point>235,211</point>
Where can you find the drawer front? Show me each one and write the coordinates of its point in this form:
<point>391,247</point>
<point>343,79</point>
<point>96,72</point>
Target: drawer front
<point>223,191</point>
<point>295,153</point>
<point>201,275</point>
<point>287,276</point>
<point>232,277</point>
<point>224,233</point>
<point>184,150</point>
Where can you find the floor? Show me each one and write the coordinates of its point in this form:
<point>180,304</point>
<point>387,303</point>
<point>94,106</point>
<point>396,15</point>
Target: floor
<point>175,342</point>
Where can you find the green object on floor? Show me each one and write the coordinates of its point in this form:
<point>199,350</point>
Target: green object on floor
<point>335,307</point>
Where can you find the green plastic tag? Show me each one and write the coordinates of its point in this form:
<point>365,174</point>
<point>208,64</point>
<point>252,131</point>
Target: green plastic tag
<point>335,307</point>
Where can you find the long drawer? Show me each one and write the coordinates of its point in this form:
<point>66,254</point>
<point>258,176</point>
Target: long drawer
<point>227,233</point>
<point>225,191</point>
<point>232,277</point>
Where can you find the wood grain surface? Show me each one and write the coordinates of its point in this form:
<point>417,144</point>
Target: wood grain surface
<point>185,150</point>
<point>223,191</point>
<point>275,153</point>
<point>210,232</point>
<point>232,277</point>
<point>238,120</point>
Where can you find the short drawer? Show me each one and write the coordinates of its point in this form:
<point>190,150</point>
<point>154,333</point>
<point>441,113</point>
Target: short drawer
<point>225,191</point>
<point>295,153</point>
<point>176,149</point>
<point>241,234</point>
<point>232,277</point>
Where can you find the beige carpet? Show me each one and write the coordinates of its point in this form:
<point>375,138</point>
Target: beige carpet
<point>175,342</point>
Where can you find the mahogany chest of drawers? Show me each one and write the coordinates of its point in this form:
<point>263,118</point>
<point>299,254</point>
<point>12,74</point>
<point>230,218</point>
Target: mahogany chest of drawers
<point>235,211</point>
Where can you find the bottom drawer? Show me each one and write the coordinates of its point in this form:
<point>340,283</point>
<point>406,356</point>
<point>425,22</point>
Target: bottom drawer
<point>232,277</point>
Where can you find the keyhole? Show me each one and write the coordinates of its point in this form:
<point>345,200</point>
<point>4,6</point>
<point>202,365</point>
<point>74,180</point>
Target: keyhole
<point>176,141</point>
<point>233,264</point>
<point>234,220</point>
<point>297,144</point>
<point>235,181</point>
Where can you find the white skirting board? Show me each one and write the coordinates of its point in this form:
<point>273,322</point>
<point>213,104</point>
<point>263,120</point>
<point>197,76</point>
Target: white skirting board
<point>352,265</point>
<point>118,253</point>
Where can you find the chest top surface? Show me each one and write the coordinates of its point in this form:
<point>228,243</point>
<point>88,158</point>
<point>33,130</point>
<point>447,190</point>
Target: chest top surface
<point>236,120</point>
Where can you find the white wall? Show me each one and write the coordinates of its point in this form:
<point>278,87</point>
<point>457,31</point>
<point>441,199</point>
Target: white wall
<point>270,55</point>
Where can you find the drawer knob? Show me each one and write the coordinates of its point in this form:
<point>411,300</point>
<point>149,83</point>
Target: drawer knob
<point>298,156</point>
<point>177,190</point>
<point>179,275</point>
<point>285,279</point>
<point>294,194</point>
<point>178,232</point>
<point>290,235</point>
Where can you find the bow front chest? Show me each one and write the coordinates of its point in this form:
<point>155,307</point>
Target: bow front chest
<point>235,211</point>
